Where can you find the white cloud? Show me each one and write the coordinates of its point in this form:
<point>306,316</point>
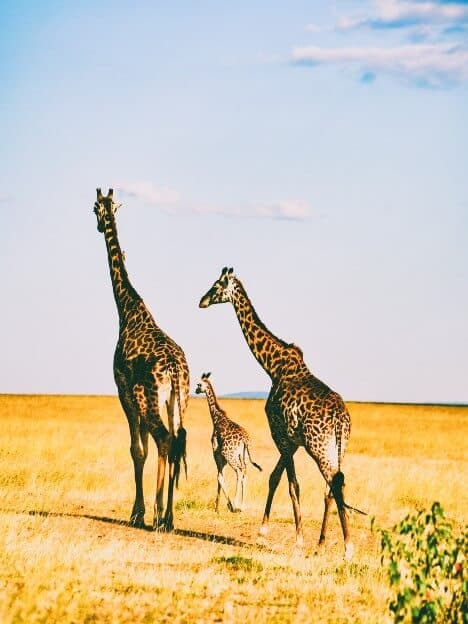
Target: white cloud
<point>168,199</point>
<point>393,10</point>
<point>433,64</point>
<point>290,209</point>
<point>394,14</point>
<point>350,23</point>
<point>150,194</point>
<point>432,52</point>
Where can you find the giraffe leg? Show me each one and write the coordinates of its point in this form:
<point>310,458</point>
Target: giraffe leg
<point>243,475</point>
<point>335,478</point>
<point>327,500</point>
<point>243,484</point>
<point>239,489</point>
<point>275,478</point>
<point>174,464</point>
<point>175,457</point>
<point>158,510</point>
<point>222,485</point>
<point>294,494</point>
<point>138,452</point>
<point>337,484</point>
<point>217,496</point>
<point>220,464</point>
<point>169,516</point>
<point>145,394</point>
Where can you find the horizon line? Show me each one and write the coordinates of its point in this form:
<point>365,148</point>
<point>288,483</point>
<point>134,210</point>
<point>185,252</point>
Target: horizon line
<point>252,395</point>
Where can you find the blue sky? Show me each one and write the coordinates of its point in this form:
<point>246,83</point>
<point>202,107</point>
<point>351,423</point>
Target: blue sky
<point>319,149</point>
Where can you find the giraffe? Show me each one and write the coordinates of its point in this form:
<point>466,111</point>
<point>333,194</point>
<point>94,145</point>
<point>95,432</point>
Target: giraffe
<point>151,372</point>
<point>301,410</point>
<point>230,444</point>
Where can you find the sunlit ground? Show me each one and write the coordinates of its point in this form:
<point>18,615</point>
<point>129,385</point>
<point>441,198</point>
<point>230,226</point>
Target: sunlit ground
<point>67,554</point>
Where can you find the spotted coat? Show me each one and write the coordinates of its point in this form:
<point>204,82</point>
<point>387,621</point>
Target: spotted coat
<point>230,443</point>
<point>301,409</point>
<point>151,375</point>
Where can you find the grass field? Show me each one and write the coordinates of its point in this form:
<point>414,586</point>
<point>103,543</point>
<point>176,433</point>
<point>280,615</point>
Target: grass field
<point>68,555</point>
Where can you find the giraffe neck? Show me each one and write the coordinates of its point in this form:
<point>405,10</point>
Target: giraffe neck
<point>274,355</point>
<point>216,412</point>
<point>124,293</point>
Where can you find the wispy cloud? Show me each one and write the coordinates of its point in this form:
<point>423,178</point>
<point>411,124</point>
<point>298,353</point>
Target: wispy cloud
<point>433,51</point>
<point>398,14</point>
<point>145,191</point>
<point>435,65</point>
<point>288,209</point>
<point>170,201</point>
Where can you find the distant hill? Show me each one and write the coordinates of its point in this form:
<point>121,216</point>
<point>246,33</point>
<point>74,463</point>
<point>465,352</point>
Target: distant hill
<point>245,395</point>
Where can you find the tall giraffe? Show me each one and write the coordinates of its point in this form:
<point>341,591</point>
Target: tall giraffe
<point>230,443</point>
<point>301,409</point>
<point>151,373</point>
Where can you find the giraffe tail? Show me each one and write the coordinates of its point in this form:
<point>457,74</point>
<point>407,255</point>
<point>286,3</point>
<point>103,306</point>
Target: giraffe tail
<point>247,450</point>
<point>180,453</point>
<point>179,442</point>
<point>336,486</point>
<point>337,482</point>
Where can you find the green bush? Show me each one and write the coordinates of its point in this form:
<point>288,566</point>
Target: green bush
<point>426,567</point>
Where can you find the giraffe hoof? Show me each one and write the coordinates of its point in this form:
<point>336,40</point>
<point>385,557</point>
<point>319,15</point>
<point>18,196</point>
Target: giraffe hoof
<point>319,549</point>
<point>137,521</point>
<point>231,507</point>
<point>168,525</point>
<point>262,536</point>
<point>298,552</point>
<point>349,551</point>
<point>164,527</point>
<point>298,548</point>
<point>158,524</point>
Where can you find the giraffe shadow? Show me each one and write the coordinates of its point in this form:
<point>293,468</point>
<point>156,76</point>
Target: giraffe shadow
<point>105,519</point>
<point>213,538</point>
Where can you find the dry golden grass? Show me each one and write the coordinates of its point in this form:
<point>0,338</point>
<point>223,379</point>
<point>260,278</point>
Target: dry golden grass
<point>67,554</point>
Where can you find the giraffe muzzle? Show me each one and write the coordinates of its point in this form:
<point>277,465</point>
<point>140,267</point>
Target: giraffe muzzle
<point>205,301</point>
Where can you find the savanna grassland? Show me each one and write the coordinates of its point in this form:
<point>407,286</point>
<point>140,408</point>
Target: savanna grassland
<point>68,555</point>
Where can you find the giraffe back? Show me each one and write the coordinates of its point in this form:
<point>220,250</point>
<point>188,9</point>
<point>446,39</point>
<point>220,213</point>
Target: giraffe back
<point>304,410</point>
<point>146,354</point>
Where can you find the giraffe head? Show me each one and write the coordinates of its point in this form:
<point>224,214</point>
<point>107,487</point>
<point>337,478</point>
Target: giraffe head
<point>104,208</point>
<point>221,291</point>
<point>202,384</point>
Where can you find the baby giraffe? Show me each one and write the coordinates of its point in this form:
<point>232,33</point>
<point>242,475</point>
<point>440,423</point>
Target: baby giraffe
<point>230,444</point>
